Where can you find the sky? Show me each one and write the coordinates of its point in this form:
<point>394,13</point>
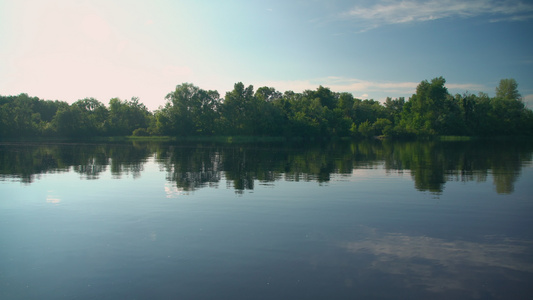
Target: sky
<point>72,49</point>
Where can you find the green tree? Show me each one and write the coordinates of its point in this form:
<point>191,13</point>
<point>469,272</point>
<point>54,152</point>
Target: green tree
<point>69,122</point>
<point>269,118</point>
<point>126,116</point>
<point>506,115</point>
<point>367,110</point>
<point>508,89</point>
<point>481,120</point>
<point>18,116</point>
<point>238,110</point>
<point>382,126</point>
<point>365,129</point>
<point>189,111</point>
<point>92,118</point>
<point>345,103</point>
<point>394,108</point>
<point>268,94</point>
<point>425,112</point>
<point>326,97</point>
<point>508,112</point>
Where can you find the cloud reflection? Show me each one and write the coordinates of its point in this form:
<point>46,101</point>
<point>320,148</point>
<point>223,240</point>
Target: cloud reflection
<point>50,198</point>
<point>172,191</point>
<point>441,265</point>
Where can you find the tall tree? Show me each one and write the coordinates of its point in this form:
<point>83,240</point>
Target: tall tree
<point>508,89</point>
<point>126,116</point>
<point>426,111</point>
<point>189,111</point>
<point>238,110</point>
<point>93,116</point>
<point>508,112</point>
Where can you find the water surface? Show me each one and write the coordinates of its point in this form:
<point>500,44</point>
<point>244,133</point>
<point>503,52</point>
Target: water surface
<point>366,220</point>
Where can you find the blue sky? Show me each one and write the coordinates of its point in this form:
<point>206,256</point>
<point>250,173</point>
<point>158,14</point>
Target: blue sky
<point>68,50</point>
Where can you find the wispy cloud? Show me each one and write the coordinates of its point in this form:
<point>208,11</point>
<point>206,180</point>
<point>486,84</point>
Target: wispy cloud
<point>466,86</point>
<point>411,11</point>
<point>358,87</point>
<point>364,89</point>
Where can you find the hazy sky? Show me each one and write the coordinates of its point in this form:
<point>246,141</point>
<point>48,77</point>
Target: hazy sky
<point>68,50</point>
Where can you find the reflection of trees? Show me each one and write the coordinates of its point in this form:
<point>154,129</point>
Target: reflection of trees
<point>126,159</point>
<point>317,162</point>
<point>243,166</point>
<point>190,167</point>
<point>431,164</point>
<point>87,160</point>
<point>24,161</point>
<point>194,167</point>
<point>506,163</point>
<point>426,162</point>
<point>90,160</point>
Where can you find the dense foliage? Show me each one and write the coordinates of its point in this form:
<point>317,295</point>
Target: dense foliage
<point>192,111</point>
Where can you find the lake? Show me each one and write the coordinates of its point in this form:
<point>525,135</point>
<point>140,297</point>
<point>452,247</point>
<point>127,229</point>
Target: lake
<point>343,220</point>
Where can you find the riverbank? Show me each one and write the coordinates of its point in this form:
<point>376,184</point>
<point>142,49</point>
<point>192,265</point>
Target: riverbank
<point>250,139</point>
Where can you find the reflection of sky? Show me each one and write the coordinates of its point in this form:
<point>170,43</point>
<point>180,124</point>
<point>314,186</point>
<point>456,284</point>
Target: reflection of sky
<point>52,198</point>
<point>369,173</point>
<point>172,191</point>
<point>441,265</point>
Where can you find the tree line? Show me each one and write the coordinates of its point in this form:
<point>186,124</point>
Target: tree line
<point>192,111</point>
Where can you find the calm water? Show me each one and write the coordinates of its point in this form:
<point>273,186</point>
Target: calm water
<point>205,221</point>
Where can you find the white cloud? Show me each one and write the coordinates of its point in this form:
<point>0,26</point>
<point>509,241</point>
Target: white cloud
<point>410,11</point>
<point>342,84</point>
<point>466,86</point>
<point>528,101</point>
